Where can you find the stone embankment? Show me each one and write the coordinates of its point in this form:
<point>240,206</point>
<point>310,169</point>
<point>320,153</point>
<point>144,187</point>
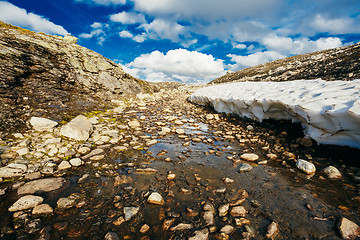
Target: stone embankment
<point>158,167</point>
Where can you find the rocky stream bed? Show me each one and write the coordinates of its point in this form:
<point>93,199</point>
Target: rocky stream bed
<point>160,167</point>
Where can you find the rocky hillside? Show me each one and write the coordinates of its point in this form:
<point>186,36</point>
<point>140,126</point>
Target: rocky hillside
<point>339,63</point>
<point>51,75</point>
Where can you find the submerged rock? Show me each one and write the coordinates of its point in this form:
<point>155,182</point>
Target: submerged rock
<point>42,185</point>
<point>26,202</point>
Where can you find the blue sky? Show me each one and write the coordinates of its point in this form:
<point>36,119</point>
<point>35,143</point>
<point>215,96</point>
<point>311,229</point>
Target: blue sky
<point>192,41</point>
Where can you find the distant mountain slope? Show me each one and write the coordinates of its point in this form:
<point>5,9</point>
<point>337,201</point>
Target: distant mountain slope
<point>333,64</point>
<point>50,75</point>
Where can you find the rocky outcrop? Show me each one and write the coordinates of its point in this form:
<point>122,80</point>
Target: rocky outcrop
<point>332,64</point>
<point>50,75</point>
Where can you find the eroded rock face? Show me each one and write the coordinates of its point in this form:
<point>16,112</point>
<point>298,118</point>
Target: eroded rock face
<point>41,75</point>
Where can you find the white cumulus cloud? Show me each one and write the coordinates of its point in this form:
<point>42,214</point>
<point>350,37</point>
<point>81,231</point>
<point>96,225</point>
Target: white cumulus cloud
<point>163,29</point>
<point>335,25</point>
<point>126,34</point>
<point>128,18</point>
<point>289,46</point>
<point>20,17</point>
<point>176,65</point>
<point>96,32</point>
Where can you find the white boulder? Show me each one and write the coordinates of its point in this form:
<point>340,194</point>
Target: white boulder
<point>79,129</point>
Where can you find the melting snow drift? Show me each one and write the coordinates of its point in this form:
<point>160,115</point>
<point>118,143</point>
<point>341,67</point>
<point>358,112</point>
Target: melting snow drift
<point>328,111</point>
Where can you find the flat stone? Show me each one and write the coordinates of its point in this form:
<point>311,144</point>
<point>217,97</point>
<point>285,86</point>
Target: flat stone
<point>134,124</point>
<point>180,131</point>
<point>78,129</point>
<point>94,152</point>
<point>332,172</point>
<point>348,229</point>
<point>151,142</point>
<point>305,166</point>
<point>201,235</point>
<point>13,170</point>
<point>42,185</point>
<point>97,157</point>
<point>22,151</point>
<point>33,176</point>
<point>130,212</point>
<point>76,162</point>
<point>238,211</point>
<point>26,202</point>
<point>181,227</point>
<point>64,165</point>
<point>42,124</point>
<point>167,223</point>
<point>42,209</point>
<point>145,170</point>
<point>251,157</point>
<point>156,198</point>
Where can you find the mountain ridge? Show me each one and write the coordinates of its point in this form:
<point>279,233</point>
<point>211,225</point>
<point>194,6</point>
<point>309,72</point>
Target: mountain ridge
<point>331,64</point>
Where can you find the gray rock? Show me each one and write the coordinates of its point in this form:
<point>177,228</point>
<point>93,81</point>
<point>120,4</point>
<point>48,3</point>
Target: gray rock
<point>26,202</point>
<point>305,166</point>
<point>111,236</point>
<point>244,167</point>
<point>79,129</point>
<point>201,235</point>
<point>348,229</point>
<point>332,172</point>
<point>42,124</point>
<point>130,212</point>
<point>42,185</point>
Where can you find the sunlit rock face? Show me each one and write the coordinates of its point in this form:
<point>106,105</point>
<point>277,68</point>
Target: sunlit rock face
<point>329,111</point>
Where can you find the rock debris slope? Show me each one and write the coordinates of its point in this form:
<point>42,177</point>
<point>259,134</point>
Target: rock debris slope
<point>332,64</point>
<point>50,74</point>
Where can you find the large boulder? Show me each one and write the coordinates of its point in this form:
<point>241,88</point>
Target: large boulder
<point>79,129</point>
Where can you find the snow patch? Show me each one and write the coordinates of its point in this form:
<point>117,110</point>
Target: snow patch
<point>329,111</point>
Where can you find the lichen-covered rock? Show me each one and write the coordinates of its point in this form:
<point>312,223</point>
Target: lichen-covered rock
<point>26,202</point>
<point>42,185</point>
